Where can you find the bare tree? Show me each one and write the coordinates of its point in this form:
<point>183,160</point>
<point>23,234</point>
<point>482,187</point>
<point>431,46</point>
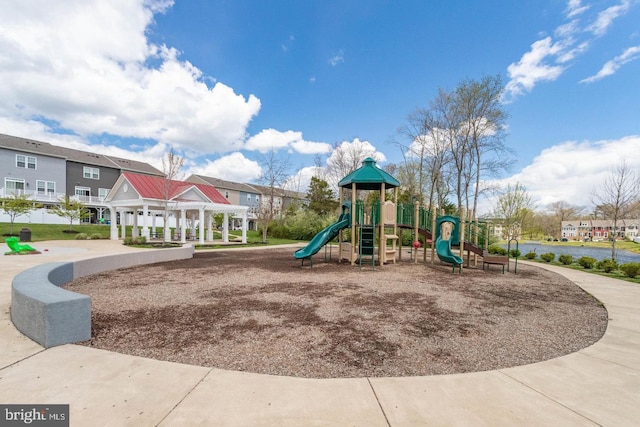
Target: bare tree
<point>275,173</point>
<point>514,207</point>
<point>345,158</point>
<point>617,197</point>
<point>171,168</point>
<point>425,155</point>
<point>563,211</point>
<point>481,122</point>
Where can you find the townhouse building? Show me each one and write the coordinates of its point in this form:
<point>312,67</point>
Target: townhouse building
<point>47,172</point>
<point>282,199</point>
<point>599,229</point>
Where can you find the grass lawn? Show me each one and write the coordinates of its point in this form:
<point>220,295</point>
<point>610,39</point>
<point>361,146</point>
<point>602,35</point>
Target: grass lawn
<point>42,232</point>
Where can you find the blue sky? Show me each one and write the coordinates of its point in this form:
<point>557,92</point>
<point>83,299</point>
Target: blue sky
<point>225,81</point>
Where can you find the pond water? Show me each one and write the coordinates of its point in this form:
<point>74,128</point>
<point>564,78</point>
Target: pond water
<point>576,251</point>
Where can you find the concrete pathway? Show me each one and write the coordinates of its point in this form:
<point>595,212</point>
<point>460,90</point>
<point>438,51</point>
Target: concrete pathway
<point>599,385</point>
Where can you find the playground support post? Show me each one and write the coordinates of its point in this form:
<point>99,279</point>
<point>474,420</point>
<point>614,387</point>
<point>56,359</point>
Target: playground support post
<point>433,237</point>
<point>353,224</point>
<point>461,233</point>
<point>416,224</point>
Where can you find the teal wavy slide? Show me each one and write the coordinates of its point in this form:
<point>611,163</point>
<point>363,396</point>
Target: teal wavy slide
<point>323,237</point>
<point>443,249</point>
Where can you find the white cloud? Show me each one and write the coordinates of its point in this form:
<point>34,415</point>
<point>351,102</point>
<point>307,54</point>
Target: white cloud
<point>337,58</point>
<point>300,180</point>
<point>85,66</point>
<point>606,17</point>
<point>575,8</point>
<point>532,68</point>
<point>571,171</point>
<point>548,59</point>
<point>610,67</point>
<point>232,167</point>
<point>271,139</point>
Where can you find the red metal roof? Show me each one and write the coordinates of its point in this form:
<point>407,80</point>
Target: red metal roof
<point>154,187</point>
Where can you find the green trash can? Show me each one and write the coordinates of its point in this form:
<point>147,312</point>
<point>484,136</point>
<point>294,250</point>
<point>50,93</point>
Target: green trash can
<point>25,235</point>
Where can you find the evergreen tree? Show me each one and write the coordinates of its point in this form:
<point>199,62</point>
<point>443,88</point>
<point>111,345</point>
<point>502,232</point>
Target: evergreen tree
<point>322,200</point>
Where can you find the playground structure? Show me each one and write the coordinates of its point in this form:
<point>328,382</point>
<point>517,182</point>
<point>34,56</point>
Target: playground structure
<point>385,222</point>
<point>17,248</point>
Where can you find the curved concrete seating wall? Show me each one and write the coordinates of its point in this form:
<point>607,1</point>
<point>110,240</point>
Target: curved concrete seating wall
<point>52,316</point>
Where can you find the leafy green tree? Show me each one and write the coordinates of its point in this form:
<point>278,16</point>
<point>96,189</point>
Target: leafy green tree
<point>16,205</point>
<point>322,199</point>
<point>71,209</point>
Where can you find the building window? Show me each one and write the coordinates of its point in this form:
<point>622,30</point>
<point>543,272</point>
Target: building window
<point>257,199</point>
<point>248,197</point>
<point>83,193</point>
<point>14,186</point>
<point>102,193</point>
<point>226,194</point>
<point>28,162</point>
<point>45,187</point>
<point>91,173</point>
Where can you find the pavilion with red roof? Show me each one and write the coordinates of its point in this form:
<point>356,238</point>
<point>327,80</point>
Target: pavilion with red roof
<point>143,200</point>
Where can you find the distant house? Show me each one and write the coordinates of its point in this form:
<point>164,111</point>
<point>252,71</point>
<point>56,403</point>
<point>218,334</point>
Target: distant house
<point>141,201</point>
<point>282,199</point>
<point>236,193</point>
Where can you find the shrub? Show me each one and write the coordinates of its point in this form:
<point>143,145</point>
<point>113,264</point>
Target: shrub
<point>497,250</point>
<point>548,257</point>
<point>566,259</point>
<point>586,262</point>
<point>515,253</point>
<point>96,236</point>
<point>135,240</point>
<point>607,264</point>
<point>531,255</point>
<point>82,236</point>
<point>631,269</point>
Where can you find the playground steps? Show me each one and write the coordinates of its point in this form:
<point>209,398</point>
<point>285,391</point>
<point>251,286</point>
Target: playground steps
<point>390,252</point>
<point>367,244</point>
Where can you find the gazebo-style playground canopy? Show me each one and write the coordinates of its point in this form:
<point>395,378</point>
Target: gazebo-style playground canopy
<point>371,178</point>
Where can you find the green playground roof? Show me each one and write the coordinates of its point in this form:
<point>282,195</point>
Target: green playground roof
<point>369,177</point>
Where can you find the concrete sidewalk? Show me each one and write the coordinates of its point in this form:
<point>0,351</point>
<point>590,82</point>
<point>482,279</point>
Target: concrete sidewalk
<point>599,385</point>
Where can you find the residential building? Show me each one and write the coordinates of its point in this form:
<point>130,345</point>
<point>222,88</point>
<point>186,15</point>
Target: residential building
<point>48,172</point>
<point>282,199</point>
<point>599,229</point>
<point>236,193</point>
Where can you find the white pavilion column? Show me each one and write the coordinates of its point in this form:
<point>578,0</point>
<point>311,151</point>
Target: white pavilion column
<point>153,224</point>
<point>210,226</point>
<point>201,226</point>
<point>113,234</point>
<point>123,224</point>
<point>183,226</point>
<point>166,229</point>
<point>135,231</point>
<point>145,221</point>
<point>244,227</point>
<point>225,228</point>
<point>193,225</point>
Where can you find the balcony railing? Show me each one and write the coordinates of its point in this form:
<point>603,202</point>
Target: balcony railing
<point>51,197</point>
